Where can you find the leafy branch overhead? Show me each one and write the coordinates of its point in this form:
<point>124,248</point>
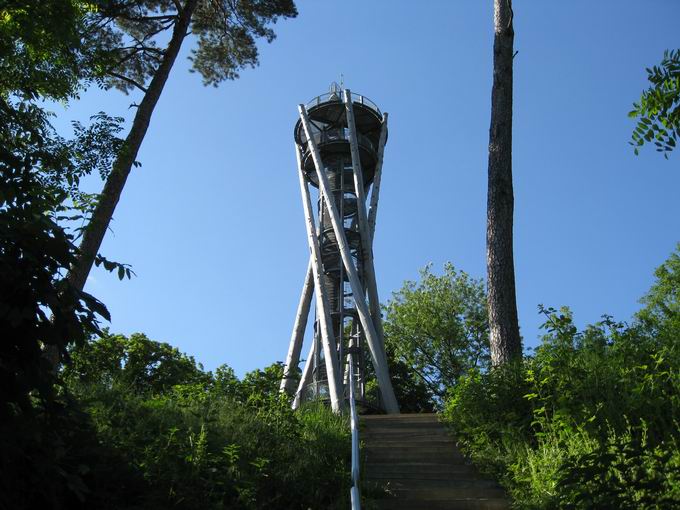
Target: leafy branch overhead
<point>123,270</point>
<point>135,34</point>
<point>658,111</point>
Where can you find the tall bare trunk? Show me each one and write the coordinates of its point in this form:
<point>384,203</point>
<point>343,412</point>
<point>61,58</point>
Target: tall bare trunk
<point>101,217</point>
<point>502,305</point>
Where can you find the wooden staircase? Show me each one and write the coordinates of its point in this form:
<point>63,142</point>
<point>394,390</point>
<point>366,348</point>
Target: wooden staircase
<point>412,463</point>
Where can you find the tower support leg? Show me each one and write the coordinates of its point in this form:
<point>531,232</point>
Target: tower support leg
<point>374,344</point>
<point>306,378</point>
<point>322,306</point>
<point>297,337</point>
<point>377,178</point>
<point>362,220</point>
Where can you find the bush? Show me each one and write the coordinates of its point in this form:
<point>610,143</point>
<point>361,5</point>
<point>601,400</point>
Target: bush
<point>626,471</point>
<point>590,420</point>
<point>198,450</point>
<point>436,329</point>
<point>142,426</point>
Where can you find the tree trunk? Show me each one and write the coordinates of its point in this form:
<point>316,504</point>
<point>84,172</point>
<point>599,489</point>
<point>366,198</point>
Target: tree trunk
<point>101,217</point>
<point>502,306</point>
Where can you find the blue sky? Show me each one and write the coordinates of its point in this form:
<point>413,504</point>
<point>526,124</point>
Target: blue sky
<point>212,222</point>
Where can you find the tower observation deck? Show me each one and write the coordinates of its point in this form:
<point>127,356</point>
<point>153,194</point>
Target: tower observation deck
<point>339,142</point>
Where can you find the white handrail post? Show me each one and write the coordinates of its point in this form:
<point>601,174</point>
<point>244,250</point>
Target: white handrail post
<point>354,428</point>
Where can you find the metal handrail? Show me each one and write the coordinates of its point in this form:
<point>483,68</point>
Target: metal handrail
<point>338,134</point>
<point>330,97</point>
<point>354,427</point>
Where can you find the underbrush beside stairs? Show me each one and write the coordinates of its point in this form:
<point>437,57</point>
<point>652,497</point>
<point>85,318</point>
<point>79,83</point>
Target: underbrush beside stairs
<point>591,419</point>
<point>142,426</point>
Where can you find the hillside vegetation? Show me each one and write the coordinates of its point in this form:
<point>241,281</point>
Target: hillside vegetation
<point>591,418</point>
<point>138,425</point>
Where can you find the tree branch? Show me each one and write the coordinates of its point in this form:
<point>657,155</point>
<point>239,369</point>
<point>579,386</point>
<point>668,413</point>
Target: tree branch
<point>430,384</point>
<point>128,56</point>
<point>164,17</point>
<point>128,80</point>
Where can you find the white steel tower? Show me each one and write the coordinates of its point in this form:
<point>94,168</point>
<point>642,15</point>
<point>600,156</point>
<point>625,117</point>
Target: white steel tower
<point>339,143</point>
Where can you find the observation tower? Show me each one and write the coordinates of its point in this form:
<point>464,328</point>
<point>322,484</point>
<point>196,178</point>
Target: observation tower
<point>339,143</point>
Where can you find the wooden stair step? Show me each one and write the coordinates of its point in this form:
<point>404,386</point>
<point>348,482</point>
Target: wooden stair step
<point>411,462</point>
<point>400,423</point>
<point>399,418</point>
<point>432,485</point>
<point>446,493</point>
<point>418,469</point>
<point>403,432</point>
<point>466,474</point>
<point>433,454</point>
<point>431,428</point>
<point>454,504</point>
<point>415,441</point>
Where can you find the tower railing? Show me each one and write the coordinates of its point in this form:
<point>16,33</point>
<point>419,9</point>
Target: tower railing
<point>337,96</point>
<point>341,134</point>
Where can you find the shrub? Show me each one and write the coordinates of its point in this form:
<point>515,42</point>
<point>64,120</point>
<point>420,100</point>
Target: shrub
<point>195,440</point>
<point>590,420</point>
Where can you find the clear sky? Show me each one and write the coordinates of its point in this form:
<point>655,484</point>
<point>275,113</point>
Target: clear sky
<point>212,222</point>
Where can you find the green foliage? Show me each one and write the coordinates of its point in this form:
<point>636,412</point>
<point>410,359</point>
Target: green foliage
<point>590,420</point>
<point>626,471</point>
<point>137,424</point>
<point>40,47</point>
<point>658,111</point>
<point>262,385</point>
<point>52,459</point>
<point>438,328</point>
<point>413,394</point>
<point>38,308</point>
<point>42,57</point>
<point>226,34</point>
<point>135,34</point>
<point>47,444</point>
<point>185,438</point>
<point>135,364</point>
<point>661,313</point>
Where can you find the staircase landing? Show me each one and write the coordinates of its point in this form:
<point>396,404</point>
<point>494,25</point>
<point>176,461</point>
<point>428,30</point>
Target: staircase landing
<point>415,463</point>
